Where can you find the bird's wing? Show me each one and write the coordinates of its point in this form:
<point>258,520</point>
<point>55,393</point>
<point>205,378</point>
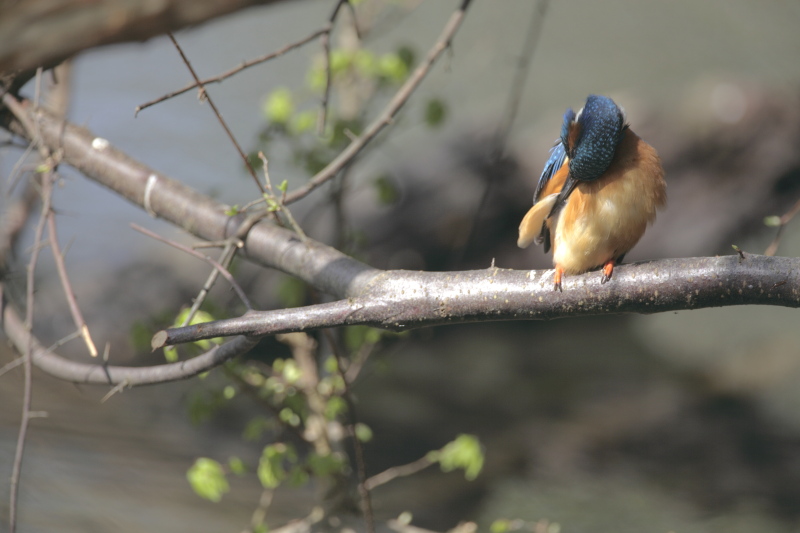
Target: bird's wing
<point>557,157</point>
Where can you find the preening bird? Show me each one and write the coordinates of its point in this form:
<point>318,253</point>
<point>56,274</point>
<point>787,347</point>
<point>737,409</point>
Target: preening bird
<point>599,190</point>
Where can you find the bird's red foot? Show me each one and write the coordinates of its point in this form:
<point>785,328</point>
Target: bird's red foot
<point>557,279</point>
<point>608,269</point>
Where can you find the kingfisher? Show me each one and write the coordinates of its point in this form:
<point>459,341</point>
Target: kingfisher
<point>598,191</point>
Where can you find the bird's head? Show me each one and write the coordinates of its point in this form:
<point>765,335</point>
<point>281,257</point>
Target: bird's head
<point>590,138</point>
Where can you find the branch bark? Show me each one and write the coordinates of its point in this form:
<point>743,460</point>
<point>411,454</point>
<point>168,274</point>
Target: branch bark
<point>46,32</point>
<point>401,300</point>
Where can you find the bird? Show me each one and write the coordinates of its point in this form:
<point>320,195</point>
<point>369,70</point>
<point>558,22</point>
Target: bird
<point>599,190</point>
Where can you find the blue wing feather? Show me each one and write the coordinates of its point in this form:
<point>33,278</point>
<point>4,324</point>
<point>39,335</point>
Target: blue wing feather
<point>557,156</point>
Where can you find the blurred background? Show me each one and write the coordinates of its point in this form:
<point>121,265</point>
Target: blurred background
<point>683,422</point>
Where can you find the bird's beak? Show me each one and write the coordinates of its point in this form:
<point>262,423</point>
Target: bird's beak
<point>566,190</point>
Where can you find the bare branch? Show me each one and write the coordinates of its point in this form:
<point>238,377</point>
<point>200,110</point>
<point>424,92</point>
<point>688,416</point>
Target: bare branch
<point>100,374</point>
<point>34,34</point>
<point>218,267</point>
<point>245,65</point>
<point>61,267</point>
<point>216,112</point>
<point>401,300</point>
<point>326,65</point>
<point>391,110</point>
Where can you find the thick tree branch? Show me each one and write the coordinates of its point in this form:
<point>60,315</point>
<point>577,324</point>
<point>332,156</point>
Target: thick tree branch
<point>324,267</point>
<point>46,32</point>
<point>400,300</point>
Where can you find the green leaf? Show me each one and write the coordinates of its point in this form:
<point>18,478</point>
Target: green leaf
<point>303,121</point>
<point>463,453</point>
<point>363,432</point>
<point>435,112</point>
<point>501,525</point>
<point>772,221</point>
<point>291,371</point>
<point>236,465</point>
<point>392,67</point>
<point>170,354</point>
<point>406,55</point>
<point>388,193</point>
<point>233,210</point>
<point>325,465</point>
<point>207,479</point>
<point>335,407</point>
<point>279,106</point>
<point>357,336</point>
<point>271,467</point>
<point>255,428</point>
<point>283,186</point>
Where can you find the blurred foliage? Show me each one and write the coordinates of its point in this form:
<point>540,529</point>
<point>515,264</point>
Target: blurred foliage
<point>207,478</point>
<point>464,453</point>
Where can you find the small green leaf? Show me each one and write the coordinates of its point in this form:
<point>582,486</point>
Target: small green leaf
<point>279,106</point>
<point>291,371</point>
<point>406,55</point>
<point>435,112</point>
<point>290,417</point>
<point>233,210</point>
<point>392,67</point>
<point>303,121</point>
<point>463,453</point>
<point>170,354</point>
<point>340,60</point>
<point>272,465</point>
<point>501,525</point>
<point>772,221</point>
<point>236,465</point>
<point>207,478</point>
<point>388,193</point>
<point>283,186</point>
<point>335,407</point>
<point>229,392</point>
<point>363,432</point>
<point>325,465</point>
<point>255,428</point>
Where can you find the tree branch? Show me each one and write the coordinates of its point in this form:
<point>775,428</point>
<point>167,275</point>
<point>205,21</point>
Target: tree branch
<point>401,300</point>
<point>389,299</point>
<point>102,374</point>
<point>46,32</point>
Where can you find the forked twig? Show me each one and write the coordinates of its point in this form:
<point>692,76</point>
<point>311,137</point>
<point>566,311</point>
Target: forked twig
<point>245,65</point>
<point>216,111</point>
<point>219,267</point>
<point>787,217</point>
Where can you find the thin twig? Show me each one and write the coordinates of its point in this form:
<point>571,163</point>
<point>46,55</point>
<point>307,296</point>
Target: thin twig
<point>245,65</point>
<point>61,267</point>
<point>398,471</point>
<point>361,467</point>
<point>216,111</point>
<point>787,217</point>
<point>391,110</point>
<point>217,266</point>
<point>280,204</point>
<point>14,105</point>
<point>326,65</point>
